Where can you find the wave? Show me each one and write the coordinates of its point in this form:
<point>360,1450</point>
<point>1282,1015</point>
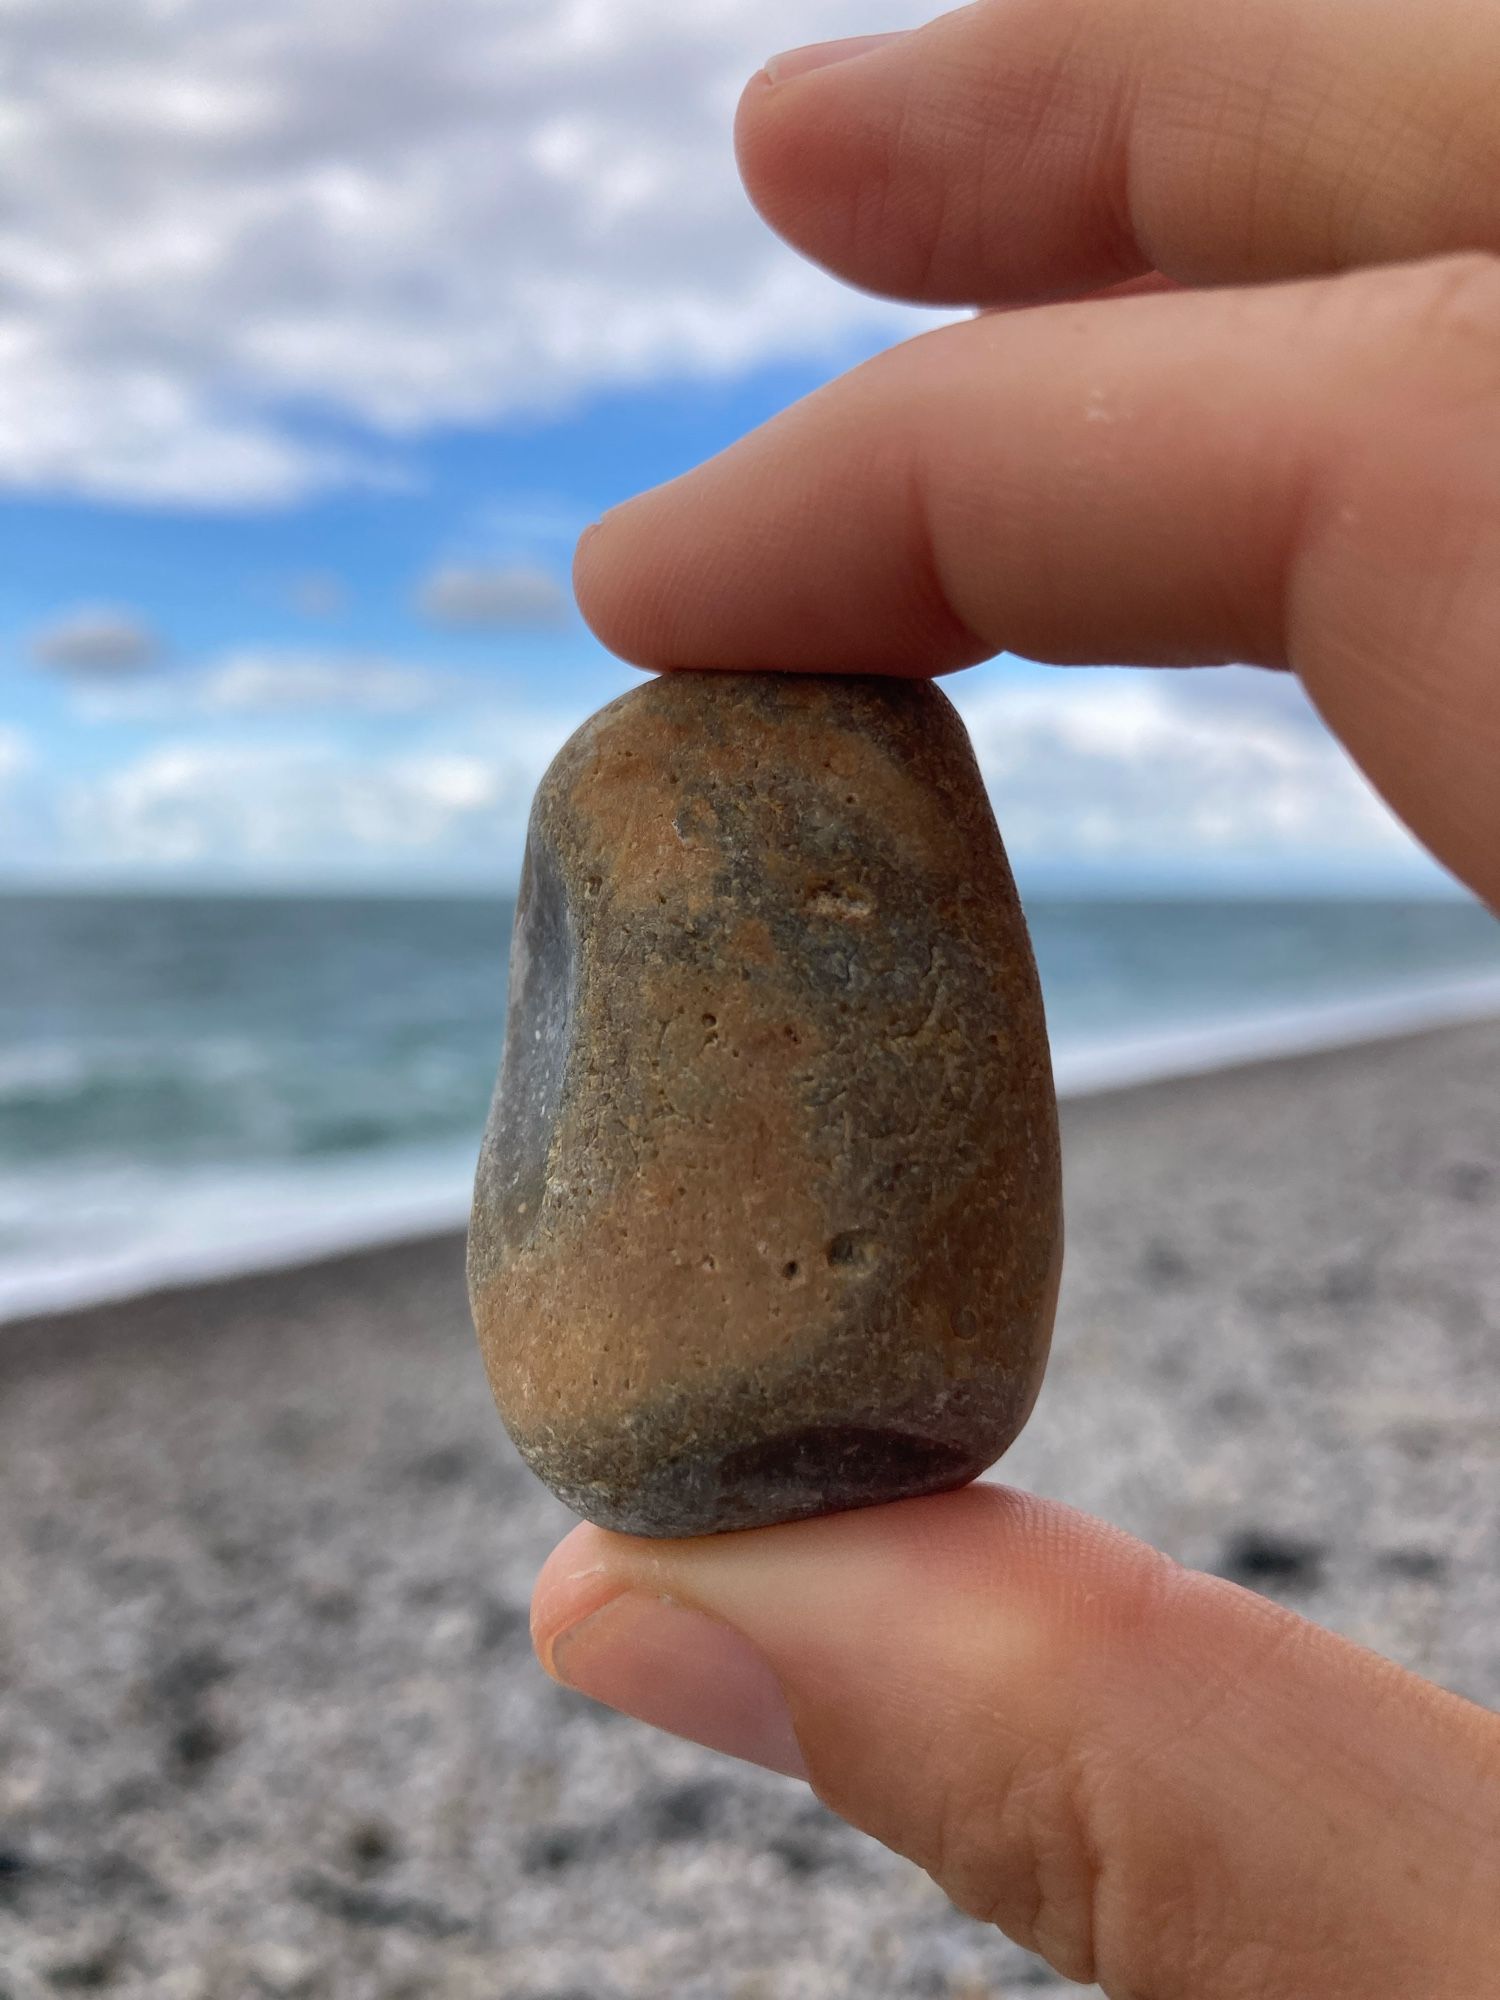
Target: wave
<point>78,1238</point>
<point>1089,1068</point>
<point>145,1230</point>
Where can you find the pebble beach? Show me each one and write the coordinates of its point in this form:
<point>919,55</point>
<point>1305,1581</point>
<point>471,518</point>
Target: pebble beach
<point>269,1720</point>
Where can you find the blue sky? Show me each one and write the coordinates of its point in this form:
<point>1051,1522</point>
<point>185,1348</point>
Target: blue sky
<point>323,332</point>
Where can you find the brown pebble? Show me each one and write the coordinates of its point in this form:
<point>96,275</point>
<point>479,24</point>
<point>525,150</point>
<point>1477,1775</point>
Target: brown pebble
<point>767,1221</point>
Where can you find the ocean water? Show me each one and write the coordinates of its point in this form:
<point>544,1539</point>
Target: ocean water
<point>190,1086</point>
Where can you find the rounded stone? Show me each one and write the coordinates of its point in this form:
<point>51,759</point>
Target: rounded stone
<point>767,1221</point>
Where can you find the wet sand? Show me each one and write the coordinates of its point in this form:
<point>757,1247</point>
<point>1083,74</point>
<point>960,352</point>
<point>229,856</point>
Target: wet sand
<point>269,1723</point>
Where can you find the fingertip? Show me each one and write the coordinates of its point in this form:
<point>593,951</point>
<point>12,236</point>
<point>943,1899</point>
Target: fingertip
<point>606,584</point>
<point>579,1578</point>
<point>592,571</point>
<point>756,131</point>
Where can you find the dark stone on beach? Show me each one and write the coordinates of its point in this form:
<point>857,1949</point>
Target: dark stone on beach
<point>1468,1180</point>
<point>1163,1264</point>
<point>367,1909</point>
<point>1413,1565</point>
<point>686,1812</point>
<point>91,1973</point>
<point>549,1849</point>
<point>767,1221</point>
<point>1263,1560</point>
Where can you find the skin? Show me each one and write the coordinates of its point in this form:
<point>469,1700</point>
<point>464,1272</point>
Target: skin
<point>1233,393</point>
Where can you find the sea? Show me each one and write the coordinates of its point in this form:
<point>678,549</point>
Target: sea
<point>194,1086</point>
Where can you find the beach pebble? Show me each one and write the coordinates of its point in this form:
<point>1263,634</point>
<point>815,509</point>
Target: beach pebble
<point>767,1218</point>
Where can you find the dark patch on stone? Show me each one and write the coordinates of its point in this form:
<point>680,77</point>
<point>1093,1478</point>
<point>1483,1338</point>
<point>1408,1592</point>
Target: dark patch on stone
<point>368,1909</point>
<point>539,1018</point>
<point>854,1250</point>
<point>1262,1559</point>
<point>775,1031</point>
<point>846,1466</point>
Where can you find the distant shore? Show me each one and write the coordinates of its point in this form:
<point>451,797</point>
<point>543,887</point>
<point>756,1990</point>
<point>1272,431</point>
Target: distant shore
<point>270,1720</point>
<point>406,1197</point>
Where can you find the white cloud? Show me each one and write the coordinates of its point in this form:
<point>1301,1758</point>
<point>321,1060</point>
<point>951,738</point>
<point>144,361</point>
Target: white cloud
<point>207,802</point>
<point>96,640</point>
<point>271,682</point>
<point>427,212</point>
<point>296,808</point>
<point>318,594</point>
<point>1200,771</point>
<point>1098,764</point>
<point>493,599</point>
<point>15,753</point>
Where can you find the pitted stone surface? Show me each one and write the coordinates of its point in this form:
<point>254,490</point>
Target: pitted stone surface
<point>767,1221</point>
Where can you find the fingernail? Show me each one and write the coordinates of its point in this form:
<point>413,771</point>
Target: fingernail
<point>823,55</point>
<point>682,1672</point>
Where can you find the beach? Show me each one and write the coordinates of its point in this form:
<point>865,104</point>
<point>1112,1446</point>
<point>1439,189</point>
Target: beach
<point>269,1721</point>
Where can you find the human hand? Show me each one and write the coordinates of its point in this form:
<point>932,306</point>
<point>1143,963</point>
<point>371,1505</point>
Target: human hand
<point>1295,473</point>
<point>1157,1780</point>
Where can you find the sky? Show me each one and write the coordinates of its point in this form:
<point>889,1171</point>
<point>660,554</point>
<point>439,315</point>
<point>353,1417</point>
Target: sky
<point>325,330</point>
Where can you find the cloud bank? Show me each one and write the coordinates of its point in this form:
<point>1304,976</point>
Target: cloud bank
<point>518,598</point>
<point>97,641</point>
<point>1095,765</point>
<point>268,681</point>
<point>1088,770</point>
<point>391,217</point>
<point>15,754</point>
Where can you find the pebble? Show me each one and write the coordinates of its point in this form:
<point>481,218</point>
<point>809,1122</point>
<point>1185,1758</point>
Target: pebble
<point>767,1221</point>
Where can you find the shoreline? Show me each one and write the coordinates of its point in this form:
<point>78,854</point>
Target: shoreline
<point>271,1710</point>
<point>1266,1044</point>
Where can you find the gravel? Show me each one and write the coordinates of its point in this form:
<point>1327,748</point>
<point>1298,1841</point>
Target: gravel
<point>269,1722</point>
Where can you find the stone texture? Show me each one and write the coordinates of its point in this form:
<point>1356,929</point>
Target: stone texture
<point>767,1220</point>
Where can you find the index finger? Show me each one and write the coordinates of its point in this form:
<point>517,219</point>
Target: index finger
<point>1026,149</point>
<point>1294,474</point>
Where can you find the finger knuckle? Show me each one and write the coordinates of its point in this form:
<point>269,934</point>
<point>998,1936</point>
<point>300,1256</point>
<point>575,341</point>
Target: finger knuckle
<point>1017,1850</point>
<point>1045,1846</point>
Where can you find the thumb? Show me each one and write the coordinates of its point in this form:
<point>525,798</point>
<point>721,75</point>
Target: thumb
<point>1156,1780</point>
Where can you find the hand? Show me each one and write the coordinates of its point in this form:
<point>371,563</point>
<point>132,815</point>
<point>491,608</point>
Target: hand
<point>1155,1779</point>
<point>1303,473</point>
